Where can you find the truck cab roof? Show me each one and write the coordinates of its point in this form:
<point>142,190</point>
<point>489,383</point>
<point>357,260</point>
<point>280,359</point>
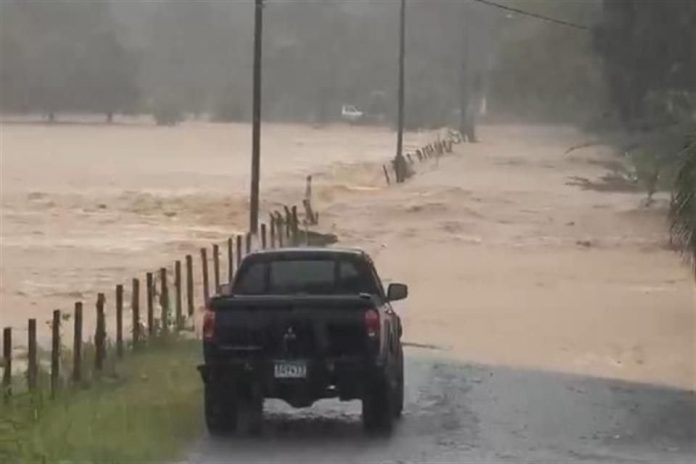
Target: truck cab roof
<point>307,252</point>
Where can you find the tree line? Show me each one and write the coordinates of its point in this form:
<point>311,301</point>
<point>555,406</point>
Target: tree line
<point>194,57</point>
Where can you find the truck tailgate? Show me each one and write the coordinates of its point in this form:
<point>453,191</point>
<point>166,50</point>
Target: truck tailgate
<point>291,326</point>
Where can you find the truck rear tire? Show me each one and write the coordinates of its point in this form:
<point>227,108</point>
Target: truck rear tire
<point>250,411</point>
<point>377,407</point>
<point>399,393</point>
<point>220,410</point>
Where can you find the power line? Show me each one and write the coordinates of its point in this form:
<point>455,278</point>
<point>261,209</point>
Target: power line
<point>534,15</point>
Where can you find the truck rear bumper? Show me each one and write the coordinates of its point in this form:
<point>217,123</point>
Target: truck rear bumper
<point>331,378</point>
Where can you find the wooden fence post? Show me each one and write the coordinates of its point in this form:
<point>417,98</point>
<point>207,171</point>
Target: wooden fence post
<point>164,300</point>
<point>239,250</point>
<point>311,218</point>
<point>216,267</point>
<point>135,308</point>
<point>295,226</point>
<point>7,357</point>
<point>77,344</point>
<point>264,238</point>
<point>100,335</point>
<point>279,230</point>
<point>190,305</point>
<point>273,231</point>
<point>386,174</point>
<point>149,282</point>
<point>206,284</point>
<point>288,224</point>
<point>32,358</point>
<point>119,320</point>
<point>230,260</point>
<point>55,353</point>
<point>247,241</point>
<point>178,295</point>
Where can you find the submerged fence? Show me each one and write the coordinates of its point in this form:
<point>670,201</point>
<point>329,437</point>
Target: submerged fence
<point>150,308</point>
<point>400,169</point>
<point>160,303</point>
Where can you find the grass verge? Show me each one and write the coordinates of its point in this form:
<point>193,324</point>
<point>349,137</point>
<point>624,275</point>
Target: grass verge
<point>147,412</point>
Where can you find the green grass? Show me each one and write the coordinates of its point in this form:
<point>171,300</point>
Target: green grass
<point>147,412</point>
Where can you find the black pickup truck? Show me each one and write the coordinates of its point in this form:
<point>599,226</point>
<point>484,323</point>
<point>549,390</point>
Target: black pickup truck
<point>303,324</point>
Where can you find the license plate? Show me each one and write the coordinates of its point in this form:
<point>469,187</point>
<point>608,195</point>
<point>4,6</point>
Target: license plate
<point>290,370</point>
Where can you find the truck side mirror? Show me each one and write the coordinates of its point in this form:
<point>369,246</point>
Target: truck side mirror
<point>397,292</point>
<point>225,289</point>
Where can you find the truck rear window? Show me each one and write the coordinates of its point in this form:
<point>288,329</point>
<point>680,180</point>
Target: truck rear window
<point>312,277</point>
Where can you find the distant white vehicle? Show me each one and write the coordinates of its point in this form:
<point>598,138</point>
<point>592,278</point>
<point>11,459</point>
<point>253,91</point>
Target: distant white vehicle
<point>351,113</point>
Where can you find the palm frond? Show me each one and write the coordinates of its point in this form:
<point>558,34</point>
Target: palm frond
<point>683,206</point>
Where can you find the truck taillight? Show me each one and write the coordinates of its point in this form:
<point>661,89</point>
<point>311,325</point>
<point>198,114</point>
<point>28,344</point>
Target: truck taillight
<point>208,325</point>
<point>372,323</point>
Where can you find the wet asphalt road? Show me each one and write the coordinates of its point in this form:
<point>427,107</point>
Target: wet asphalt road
<point>481,414</point>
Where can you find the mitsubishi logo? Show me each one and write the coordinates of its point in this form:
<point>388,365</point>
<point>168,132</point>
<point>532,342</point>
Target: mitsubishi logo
<point>288,338</point>
<point>290,334</point>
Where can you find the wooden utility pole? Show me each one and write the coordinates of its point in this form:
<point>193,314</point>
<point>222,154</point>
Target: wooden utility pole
<point>465,96</point>
<point>256,129</point>
<point>402,52</point>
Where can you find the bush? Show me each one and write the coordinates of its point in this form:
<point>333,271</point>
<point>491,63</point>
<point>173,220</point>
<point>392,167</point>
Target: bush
<point>683,207</point>
<point>229,111</point>
<point>167,114</point>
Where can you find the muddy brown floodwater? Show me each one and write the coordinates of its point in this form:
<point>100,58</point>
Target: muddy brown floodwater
<point>87,206</point>
<point>561,327</point>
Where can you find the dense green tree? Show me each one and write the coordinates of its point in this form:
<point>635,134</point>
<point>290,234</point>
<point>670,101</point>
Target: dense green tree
<point>546,71</point>
<point>64,56</point>
<point>649,54</point>
<point>683,208</point>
